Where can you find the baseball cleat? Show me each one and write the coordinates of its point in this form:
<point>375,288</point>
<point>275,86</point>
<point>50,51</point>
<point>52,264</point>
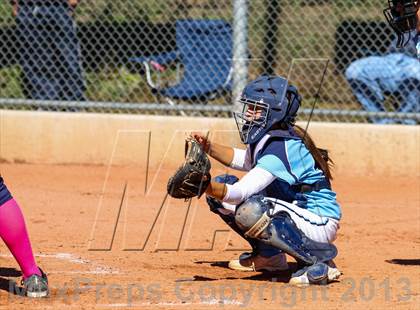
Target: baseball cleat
<point>249,262</point>
<point>320,274</point>
<point>36,286</point>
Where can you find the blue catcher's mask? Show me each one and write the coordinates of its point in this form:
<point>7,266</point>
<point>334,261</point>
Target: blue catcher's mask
<point>266,101</point>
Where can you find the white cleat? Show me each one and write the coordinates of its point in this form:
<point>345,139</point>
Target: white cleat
<point>248,262</point>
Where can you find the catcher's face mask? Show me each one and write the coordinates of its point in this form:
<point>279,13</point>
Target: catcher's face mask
<point>265,101</point>
<point>401,16</point>
<point>253,116</point>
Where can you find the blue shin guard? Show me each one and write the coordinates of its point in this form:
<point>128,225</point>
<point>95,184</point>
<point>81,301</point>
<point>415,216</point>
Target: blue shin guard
<point>285,235</point>
<point>254,217</point>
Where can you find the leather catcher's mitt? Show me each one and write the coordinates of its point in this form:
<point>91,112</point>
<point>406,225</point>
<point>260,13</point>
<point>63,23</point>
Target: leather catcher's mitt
<point>193,177</point>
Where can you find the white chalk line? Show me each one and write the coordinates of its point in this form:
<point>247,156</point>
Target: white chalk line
<point>98,272</point>
<point>108,270</point>
<point>96,268</point>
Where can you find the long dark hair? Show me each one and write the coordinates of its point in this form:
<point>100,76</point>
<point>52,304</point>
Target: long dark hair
<point>322,160</point>
<point>321,157</point>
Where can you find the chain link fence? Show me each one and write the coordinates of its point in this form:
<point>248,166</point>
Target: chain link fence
<point>191,57</point>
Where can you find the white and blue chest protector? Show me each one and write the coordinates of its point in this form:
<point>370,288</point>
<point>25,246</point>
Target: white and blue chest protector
<point>284,155</point>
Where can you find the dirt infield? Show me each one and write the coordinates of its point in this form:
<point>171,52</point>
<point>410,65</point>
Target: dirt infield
<point>94,263</point>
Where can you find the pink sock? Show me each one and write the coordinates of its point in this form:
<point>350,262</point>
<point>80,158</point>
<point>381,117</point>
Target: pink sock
<point>14,234</point>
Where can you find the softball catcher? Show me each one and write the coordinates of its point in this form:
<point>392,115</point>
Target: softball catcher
<point>284,204</point>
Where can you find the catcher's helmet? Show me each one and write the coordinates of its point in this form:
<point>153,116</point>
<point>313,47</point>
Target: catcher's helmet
<point>266,101</point>
<point>401,16</point>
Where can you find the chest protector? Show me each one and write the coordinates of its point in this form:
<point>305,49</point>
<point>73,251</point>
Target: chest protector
<point>280,189</point>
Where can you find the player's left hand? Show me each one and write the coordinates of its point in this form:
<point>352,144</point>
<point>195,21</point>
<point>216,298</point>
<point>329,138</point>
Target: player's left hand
<point>193,177</point>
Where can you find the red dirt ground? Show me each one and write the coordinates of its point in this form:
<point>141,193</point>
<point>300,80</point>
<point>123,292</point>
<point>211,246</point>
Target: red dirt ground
<point>180,266</point>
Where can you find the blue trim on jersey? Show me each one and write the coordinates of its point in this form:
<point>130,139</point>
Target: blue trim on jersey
<point>290,161</point>
<point>5,195</point>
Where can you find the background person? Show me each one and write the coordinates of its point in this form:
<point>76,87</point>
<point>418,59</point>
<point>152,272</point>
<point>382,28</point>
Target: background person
<point>49,49</point>
<point>398,72</point>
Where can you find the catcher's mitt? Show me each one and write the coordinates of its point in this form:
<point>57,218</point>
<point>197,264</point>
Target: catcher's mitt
<point>193,177</point>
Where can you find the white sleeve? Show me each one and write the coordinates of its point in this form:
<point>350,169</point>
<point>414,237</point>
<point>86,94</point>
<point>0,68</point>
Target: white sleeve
<point>241,159</point>
<point>253,182</point>
<point>238,160</point>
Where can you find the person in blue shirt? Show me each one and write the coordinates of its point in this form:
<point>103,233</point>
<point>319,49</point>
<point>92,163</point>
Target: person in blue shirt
<point>398,72</point>
<point>49,49</point>
<point>284,203</point>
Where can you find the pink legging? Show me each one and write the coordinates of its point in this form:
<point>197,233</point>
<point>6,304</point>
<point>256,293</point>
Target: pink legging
<point>14,234</point>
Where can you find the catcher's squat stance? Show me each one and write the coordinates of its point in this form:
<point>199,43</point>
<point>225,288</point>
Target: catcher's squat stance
<point>284,204</point>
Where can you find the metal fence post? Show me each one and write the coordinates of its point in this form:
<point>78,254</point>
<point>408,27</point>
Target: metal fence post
<point>240,47</point>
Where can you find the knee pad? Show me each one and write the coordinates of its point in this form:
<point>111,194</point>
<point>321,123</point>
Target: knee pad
<point>229,219</point>
<point>252,216</point>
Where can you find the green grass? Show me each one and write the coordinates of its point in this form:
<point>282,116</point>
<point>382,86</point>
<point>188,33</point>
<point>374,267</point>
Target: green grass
<point>116,85</point>
<point>9,83</point>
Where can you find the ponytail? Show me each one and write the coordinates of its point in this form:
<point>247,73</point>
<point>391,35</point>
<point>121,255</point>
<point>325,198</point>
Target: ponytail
<point>322,160</point>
